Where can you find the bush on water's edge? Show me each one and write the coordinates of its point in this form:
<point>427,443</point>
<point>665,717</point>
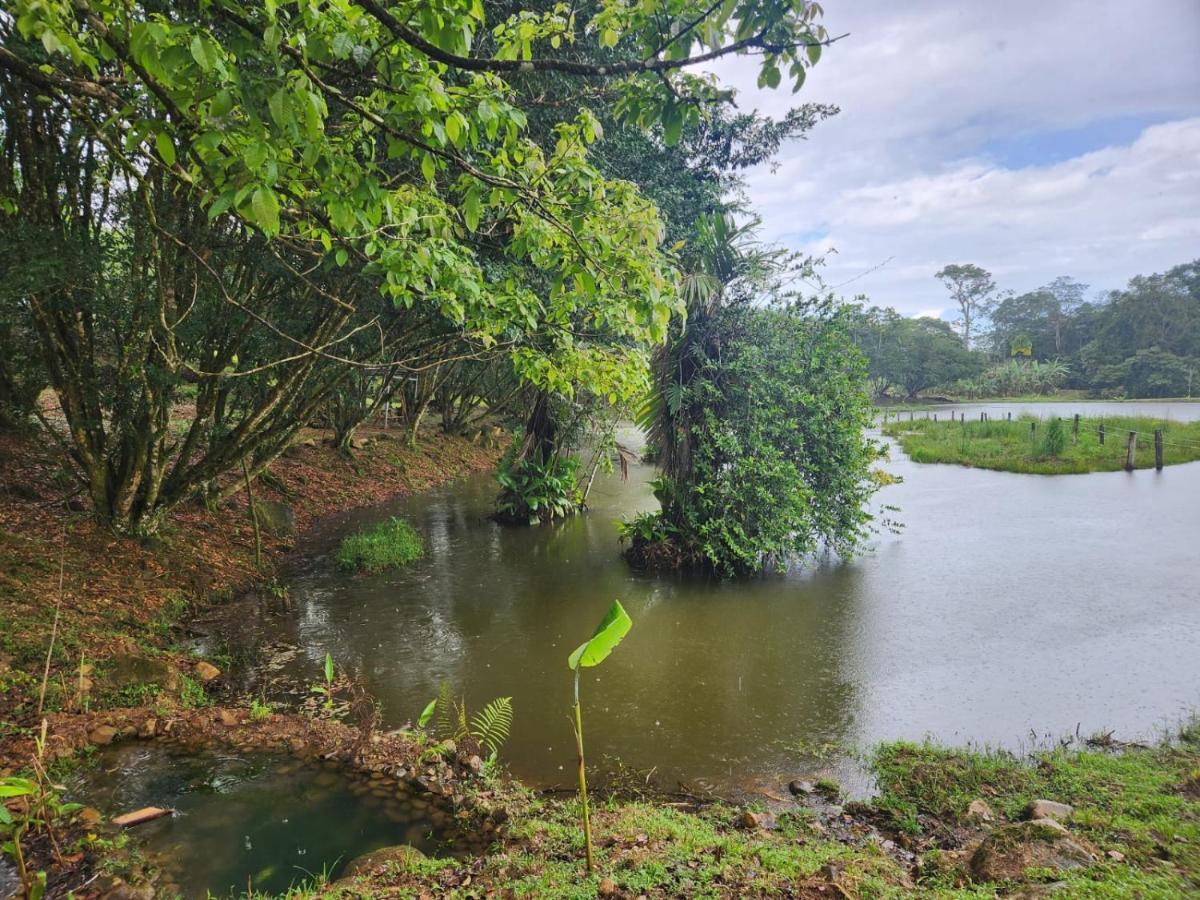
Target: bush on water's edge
<point>1021,445</point>
<point>385,545</point>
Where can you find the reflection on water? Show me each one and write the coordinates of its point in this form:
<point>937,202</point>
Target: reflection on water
<point>1009,606</point>
<point>254,819</point>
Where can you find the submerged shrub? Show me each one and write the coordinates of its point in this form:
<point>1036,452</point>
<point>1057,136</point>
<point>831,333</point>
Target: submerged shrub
<point>386,545</point>
<point>533,492</point>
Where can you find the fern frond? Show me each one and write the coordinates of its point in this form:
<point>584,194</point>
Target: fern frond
<point>492,724</point>
<point>461,729</point>
<point>444,724</point>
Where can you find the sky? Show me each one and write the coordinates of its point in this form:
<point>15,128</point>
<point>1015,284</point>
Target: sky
<point>1035,138</point>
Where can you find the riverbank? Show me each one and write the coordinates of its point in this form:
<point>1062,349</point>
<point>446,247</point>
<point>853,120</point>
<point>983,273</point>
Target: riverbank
<point>1038,447</point>
<point>116,641</point>
<point>1101,820</point>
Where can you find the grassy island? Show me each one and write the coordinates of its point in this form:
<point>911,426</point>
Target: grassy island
<point>1045,446</point>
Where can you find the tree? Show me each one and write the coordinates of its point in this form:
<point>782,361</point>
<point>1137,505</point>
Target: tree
<point>971,288</point>
<point>256,164</point>
<point>756,416</point>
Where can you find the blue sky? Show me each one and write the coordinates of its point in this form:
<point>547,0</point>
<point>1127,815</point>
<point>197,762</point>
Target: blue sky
<point>1035,139</point>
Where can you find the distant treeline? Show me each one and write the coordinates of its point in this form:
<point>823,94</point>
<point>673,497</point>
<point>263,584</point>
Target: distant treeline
<point>1142,341</point>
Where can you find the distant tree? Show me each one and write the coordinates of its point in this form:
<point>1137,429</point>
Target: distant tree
<point>1066,297</point>
<point>971,287</point>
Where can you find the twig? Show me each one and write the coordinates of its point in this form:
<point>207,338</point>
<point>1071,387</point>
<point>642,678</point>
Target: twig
<point>62,557</point>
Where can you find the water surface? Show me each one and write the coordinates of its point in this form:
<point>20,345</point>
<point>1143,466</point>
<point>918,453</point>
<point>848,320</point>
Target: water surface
<point>253,820</point>
<point>1010,609</point>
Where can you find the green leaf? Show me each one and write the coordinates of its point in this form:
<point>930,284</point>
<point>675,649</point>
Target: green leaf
<point>265,207</point>
<point>814,53</point>
<point>428,168</point>
<point>672,122</point>
<point>328,667</point>
<point>166,148</point>
<point>612,629</point>
<point>471,210</point>
<point>427,713</point>
<point>200,53</point>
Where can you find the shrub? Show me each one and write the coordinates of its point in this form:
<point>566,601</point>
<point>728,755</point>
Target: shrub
<point>386,545</point>
<point>535,492</point>
<point>1054,441</point>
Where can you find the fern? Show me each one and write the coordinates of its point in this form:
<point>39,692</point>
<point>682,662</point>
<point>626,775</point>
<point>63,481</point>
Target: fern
<point>491,725</point>
<point>451,715</point>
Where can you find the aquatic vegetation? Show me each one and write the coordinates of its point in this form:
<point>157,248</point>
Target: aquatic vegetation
<point>533,492</point>
<point>612,629</point>
<point>386,545</point>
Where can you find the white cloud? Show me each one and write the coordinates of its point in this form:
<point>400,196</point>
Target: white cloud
<point>929,90</point>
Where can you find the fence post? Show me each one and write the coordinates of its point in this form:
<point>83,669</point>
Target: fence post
<point>1010,415</point>
<point>1101,434</point>
<point>1075,429</point>
<point>1158,449</point>
<point>935,417</point>
<point>1130,450</point>
<point>910,415</point>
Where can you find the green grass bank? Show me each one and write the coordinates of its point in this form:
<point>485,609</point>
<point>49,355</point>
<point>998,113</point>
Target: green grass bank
<point>1124,822</point>
<point>1024,444</point>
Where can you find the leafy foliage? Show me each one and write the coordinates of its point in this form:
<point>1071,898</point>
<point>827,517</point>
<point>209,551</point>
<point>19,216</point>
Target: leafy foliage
<point>490,727</point>
<point>533,492</point>
<point>770,458</point>
<point>387,545</point>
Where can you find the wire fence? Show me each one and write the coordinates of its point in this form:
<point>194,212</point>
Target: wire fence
<point>1102,429</point>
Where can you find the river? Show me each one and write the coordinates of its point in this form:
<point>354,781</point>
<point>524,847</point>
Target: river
<point>1010,610</point>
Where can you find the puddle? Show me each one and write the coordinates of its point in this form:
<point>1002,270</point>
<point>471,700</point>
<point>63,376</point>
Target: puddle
<point>257,820</point>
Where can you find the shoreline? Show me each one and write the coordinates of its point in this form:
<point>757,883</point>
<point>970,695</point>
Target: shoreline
<point>940,814</point>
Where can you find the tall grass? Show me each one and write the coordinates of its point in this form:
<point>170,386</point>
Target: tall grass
<point>386,545</point>
<point>1017,447</point>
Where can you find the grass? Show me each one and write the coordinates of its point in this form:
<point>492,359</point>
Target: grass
<point>386,545</point>
<point>1140,803</point>
<point>1016,447</point>
<point>1139,806</point>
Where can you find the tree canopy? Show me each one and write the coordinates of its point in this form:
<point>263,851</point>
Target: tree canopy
<point>272,196</point>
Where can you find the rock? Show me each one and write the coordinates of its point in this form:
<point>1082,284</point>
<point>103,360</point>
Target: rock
<point>1007,852</point>
<point>102,735</point>
<point>136,670</point>
<point>148,728</point>
<point>475,764</point>
<point>278,518</point>
<point>607,888</point>
<point>228,717</point>
<point>399,856</point>
<point>800,788</point>
<point>89,816</point>
<point>756,820</point>
<point>1048,809</point>
<point>979,811</point>
<point>1115,855</point>
<point>138,816</point>
<point>1051,824</point>
<point>207,672</point>
<point>125,891</point>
